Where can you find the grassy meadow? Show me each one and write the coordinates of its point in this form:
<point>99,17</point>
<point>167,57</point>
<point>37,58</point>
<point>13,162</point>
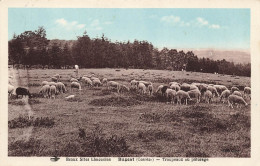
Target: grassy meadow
<point>99,122</point>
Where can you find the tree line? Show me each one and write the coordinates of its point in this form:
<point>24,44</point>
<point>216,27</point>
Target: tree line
<point>32,48</point>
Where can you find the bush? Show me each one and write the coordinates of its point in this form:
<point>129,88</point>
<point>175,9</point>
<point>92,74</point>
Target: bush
<point>32,147</point>
<point>23,121</point>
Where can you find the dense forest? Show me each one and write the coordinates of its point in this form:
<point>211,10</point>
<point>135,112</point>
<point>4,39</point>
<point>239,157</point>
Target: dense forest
<point>32,49</point>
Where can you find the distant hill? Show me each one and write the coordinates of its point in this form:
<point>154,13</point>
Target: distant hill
<point>235,56</point>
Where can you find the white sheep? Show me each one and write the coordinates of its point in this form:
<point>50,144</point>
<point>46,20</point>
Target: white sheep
<point>175,87</point>
<point>185,87</point>
<point>237,93</point>
<point>74,80</point>
<point>60,87</point>
<point>170,95</point>
<point>195,93</point>
<point>224,95</point>
<point>141,88</point>
<point>96,82</point>
<point>122,88</point>
<point>104,81</point>
<point>220,88</point>
<point>87,81</point>
<point>150,89</point>
<point>174,83</point>
<point>52,83</point>
<point>145,83</point>
<point>11,90</point>
<point>112,84</point>
<point>213,91</point>
<point>53,91</point>
<point>45,83</point>
<point>54,79</point>
<point>208,96</point>
<point>234,88</point>
<point>159,89</point>
<point>234,99</point>
<point>75,85</point>
<point>94,78</point>
<point>182,95</point>
<point>193,87</point>
<point>247,92</point>
<point>45,90</point>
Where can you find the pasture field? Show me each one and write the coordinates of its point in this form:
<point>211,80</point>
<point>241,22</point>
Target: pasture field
<point>99,122</point>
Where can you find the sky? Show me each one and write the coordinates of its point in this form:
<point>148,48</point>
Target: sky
<point>163,27</point>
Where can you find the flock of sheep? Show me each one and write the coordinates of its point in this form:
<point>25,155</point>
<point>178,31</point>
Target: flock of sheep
<point>174,92</point>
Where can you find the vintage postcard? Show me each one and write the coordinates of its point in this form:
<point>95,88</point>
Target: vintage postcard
<point>130,82</point>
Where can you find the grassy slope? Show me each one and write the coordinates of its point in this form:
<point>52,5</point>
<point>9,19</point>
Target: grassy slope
<point>151,128</point>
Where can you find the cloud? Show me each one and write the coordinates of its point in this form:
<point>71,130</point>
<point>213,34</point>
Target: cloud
<point>215,26</point>
<point>202,21</point>
<point>61,21</point>
<point>69,25</point>
<point>171,19</point>
<point>80,26</point>
<point>197,22</point>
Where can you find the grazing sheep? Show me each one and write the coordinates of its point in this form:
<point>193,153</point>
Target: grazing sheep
<point>145,83</point>
<point>185,87</point>
<point>133,83</point>
<point>202,88</point>
<point>247,92</point>
<point>22,91</point>
<point>211,84</point>
<point>10,89</point>
<point>54,79</point>
<point>224,95</point>
<point>96,82</point>
<point>175,87</point>
<point>87,81</point>
<point>208,96</point>
<point>141,88</point>
<point>60,87</point>
<point>213,91</point>
<point>104,81</point>
<point>220,88</point>
<point>182,95</point>
<point>150,89</point>
<point>234,89</point>
<point>112,84</point>
<point>45,83</point>
<point>193,87</point>
<point>45,90</point>
<point>74,80</point>
<point>122,88</point>
<point>234,99</point>
<point>53,91</point>
<point>237,93</point>
<point>195,93</point>
<point>174,83</point>
<point>94,78</point>
<point>75,85</point>
<point>159,89</point>
<point>170,95</point>
<point>52,83</point>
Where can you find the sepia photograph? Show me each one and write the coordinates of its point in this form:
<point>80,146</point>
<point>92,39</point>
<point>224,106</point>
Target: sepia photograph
<point>93,83</point>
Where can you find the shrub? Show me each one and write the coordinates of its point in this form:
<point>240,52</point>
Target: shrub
<point>24,121</point>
